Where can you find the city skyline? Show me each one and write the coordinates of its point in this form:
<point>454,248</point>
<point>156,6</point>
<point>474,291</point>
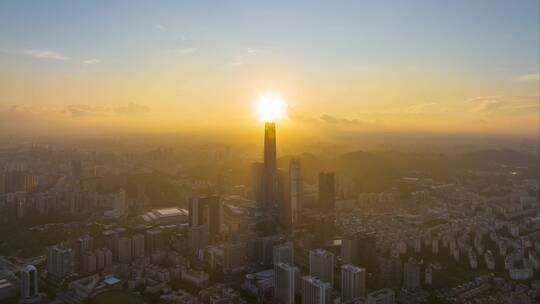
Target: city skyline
<point>313,152</point>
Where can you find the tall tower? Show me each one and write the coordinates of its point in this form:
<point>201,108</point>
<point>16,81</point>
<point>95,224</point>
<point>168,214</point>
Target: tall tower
<point>294,206</point>
<point>353,282</point>
<point>326,191</point>
<point>270,166</point>
<point>284,282</point>
<point>315,291</point>
<point>206,210</point>
<point>321,265</point>
<point>29,285</point>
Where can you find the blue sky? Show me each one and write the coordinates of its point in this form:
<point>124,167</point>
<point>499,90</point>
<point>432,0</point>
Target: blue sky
<point>474,34</point>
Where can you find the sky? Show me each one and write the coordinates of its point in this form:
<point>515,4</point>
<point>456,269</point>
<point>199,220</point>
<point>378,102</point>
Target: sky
<point>431,66</point>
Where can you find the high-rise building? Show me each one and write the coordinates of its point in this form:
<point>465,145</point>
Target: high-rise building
<point>104,258</point>
<point>100,258</point>
<point>207,210</point>
<point>120,202</point>
<point>29,285</point>
<point>411,274</point>
<point>59,262</point>
<point>382,296</point>
<point>153,240</point>
<point>284,253</point>
<point>285,282</point>
<point>111,242</point>
<point>89,262</point>
<point>264,249</point>
<point>282,196</point>
<point>391,271</point>
<point>315,291</point>
<point>257,181</point>
<point>76,169</point>
<point>124,250</point>
<point>294,201</point>
<point>3,188</point>
<point>360,249</point>
<point>321,265</point>
<point>137,242</point>
<point>270,165</point>
<point>353,283</point>
<point>197,237</point>
<point>234,256</point>
<point>84,244</point>
<point>327,190</point>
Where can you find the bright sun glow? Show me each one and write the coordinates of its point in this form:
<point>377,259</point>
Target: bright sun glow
<point>270,107</point>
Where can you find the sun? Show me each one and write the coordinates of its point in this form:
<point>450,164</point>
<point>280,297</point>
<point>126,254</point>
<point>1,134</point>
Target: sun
<point>270,107</point>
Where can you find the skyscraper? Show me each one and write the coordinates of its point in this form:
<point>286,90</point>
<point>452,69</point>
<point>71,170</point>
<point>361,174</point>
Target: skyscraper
<point>315,291</point>
<point>234,256</point>
<point>257,181</point>
<point>59,262</point>
<point>137,244</point>
<point>29,285</point>
<point>206,210</point>
<point>111,241</point>
<point>294,201</point>
<point>153,240</point>
<point>411,274</point>
<point>360,249</point>
<point>321,265</point>
<point>84,244</point>
<point>89,262</point>
<point>327,191</point>
<point>284,282</point>
<point>76,168</point>
<point>124,250</point>
<point>353,282</point>
<point>270,165</point>
<point>284,253</point>
<point>197,237</point>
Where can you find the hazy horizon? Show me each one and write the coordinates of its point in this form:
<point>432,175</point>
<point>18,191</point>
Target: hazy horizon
<point>421,67</point>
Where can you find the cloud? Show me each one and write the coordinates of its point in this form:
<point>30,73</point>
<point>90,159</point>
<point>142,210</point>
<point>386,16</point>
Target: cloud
<point>237,62</point>
<point>529,77</point>
<point>91,61</point>
<point>184,51</point>
<point>132,109</point>
<point>45,54</point>
<point>498,103</point>
<point>160,27</point>
<point>86,110</point>
<point>336,120</point>
<point>250,55</point>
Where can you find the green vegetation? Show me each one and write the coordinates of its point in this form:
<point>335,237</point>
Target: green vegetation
<point>19,240</point>
<point>454,274</point>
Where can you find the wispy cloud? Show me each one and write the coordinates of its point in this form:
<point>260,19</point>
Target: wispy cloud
<point>45,54</point>
<point>184,51</point>
<point>251,54</point>
<point>160,27</point>
<point>91,61</point>
<point>131,109</point>
<point>337,120</point>
<point>529,77</point>
<point>489,104</point>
